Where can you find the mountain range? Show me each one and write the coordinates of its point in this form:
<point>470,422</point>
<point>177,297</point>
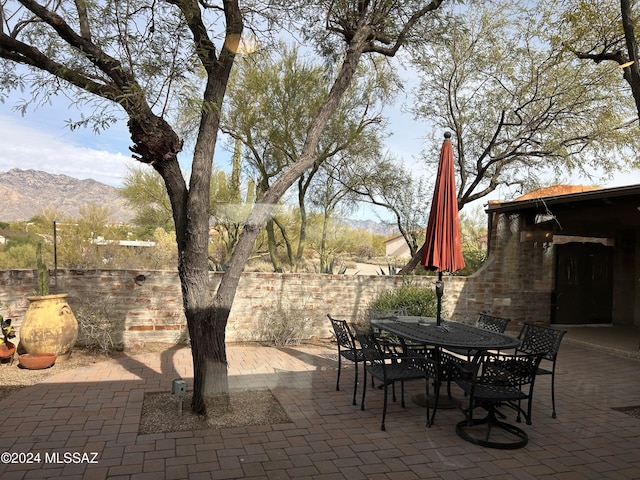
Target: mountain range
<point>26,193</point>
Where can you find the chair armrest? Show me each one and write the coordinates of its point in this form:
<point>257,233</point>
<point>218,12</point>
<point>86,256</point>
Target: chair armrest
<point>456,367</point>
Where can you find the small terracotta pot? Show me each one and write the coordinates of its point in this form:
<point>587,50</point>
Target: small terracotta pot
<point>7,350</point>
<point>37,361</point>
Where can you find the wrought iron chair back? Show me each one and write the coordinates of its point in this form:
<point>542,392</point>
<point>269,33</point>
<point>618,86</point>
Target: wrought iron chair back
<point>391,344</point>
<point>348,349</point>
<point>486,322</point>
<point>545,340</point>
<point>539,339</point>
<point>491,322</point>
<point>395,369</point>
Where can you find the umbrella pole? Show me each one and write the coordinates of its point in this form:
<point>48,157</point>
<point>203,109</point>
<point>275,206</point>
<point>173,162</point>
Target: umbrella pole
<point>439,292</point>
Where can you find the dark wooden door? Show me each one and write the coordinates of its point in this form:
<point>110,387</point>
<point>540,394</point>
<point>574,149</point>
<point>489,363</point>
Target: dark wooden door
<point>584,284</point>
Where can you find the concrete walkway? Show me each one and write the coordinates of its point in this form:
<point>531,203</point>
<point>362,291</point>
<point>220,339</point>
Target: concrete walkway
<point>84,424</point>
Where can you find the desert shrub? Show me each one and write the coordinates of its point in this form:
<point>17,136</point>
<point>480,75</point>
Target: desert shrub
<point>97,330</point>
<point>420,301</point>
<point>285,325</point>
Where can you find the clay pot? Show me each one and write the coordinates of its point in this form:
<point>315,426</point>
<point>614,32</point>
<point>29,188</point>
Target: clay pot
<point>49,326</point>
<point>7,349</point>
<point>37,361</point>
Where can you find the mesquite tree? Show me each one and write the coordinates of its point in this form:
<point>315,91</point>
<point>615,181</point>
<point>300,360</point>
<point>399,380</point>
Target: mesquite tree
<point>605,31</point>
<point>144,58</point>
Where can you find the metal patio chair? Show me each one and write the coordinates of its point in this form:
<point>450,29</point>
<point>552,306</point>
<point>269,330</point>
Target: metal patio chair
<point>398,369</point>
<point>486,322</point>
<point>545,340</point>
<point>346,349</point>
<point>391,343</point>
<point>491,381</point>
<point>493,323</point>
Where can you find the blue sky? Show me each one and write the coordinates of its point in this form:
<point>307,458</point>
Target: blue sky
<point>41,140</point>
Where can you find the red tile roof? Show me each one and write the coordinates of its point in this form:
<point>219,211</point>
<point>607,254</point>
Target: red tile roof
<point>556,190</point>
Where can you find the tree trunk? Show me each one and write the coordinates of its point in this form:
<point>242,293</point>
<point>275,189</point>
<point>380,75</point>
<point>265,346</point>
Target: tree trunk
<point>302,233</point>
<point>632,72</point>
<point>264,207</point>
<point>206,319</point>
<point>273,247</point>
<point>209,356</point>
<point>324,256</point>
<point>413,263</point>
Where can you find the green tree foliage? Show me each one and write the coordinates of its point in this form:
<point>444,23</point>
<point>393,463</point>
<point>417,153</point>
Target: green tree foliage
<point>522,111</point>
<point>20,255</point>
<point>473,230</point>
<point>270,85</point>
<point>89,241</point>
<point>603,31</point>
<point>145,192</point>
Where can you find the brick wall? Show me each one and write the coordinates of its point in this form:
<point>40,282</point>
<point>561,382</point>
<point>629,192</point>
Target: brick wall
<point>515,282</point>
<point>148,305</point>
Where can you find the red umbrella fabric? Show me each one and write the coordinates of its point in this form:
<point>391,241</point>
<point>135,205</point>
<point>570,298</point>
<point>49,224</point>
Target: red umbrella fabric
<point>443,247</point>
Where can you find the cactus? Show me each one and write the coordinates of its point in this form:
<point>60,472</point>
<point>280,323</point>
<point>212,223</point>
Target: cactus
<point>43,273</point>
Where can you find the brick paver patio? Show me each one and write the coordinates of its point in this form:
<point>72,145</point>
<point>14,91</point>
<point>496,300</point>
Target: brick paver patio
<point>84,424</point>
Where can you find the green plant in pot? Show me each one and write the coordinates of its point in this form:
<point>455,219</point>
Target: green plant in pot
<point>7,348</point>
<point>49,325</point>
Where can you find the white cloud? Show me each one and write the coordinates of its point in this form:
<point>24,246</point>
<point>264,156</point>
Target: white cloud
<point>27,147</point>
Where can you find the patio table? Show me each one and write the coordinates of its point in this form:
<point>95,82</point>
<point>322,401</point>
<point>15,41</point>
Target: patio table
<point>448,335</point>
<point>425,331</point>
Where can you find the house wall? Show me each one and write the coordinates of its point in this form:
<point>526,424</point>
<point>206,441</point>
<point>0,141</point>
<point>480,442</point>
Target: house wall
<point>626,272</point>
<point>519,276</point>
<point>397,247</point>
<point>516,281</point>
<point>635,297</point>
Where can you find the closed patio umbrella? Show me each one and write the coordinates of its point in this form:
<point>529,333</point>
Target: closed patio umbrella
<point>443,248</point>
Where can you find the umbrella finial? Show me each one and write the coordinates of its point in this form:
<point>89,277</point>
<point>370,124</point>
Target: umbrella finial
<point>447,135</point>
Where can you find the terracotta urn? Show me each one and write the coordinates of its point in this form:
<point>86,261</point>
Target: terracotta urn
<point>49,326</point>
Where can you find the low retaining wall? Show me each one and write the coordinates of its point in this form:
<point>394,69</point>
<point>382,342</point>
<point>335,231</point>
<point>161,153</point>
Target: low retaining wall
<point>147,305</point>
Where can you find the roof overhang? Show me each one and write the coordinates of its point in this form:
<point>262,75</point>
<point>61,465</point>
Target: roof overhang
<point>608,196</point>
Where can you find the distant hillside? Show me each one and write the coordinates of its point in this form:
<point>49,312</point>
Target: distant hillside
<point>384,229</point>
<point>25,193</point>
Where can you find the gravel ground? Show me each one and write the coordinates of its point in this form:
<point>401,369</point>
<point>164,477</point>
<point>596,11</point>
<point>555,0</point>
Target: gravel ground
<point>14,377</point>
<point>160,412</point>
